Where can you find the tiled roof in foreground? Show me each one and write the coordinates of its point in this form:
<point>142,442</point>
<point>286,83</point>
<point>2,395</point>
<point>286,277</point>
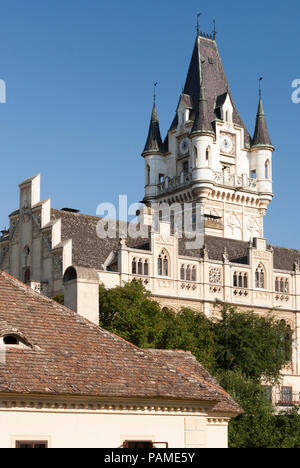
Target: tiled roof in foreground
<point>68,355</point>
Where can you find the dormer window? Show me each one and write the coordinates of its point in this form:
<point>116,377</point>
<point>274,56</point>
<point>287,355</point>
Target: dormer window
<point>11,340</point>
<point>14,340</point>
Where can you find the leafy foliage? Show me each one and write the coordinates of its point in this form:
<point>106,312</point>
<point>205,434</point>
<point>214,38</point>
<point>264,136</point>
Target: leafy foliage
<point>240,349</point>
<point>60,298</point>
<point>259,347</point>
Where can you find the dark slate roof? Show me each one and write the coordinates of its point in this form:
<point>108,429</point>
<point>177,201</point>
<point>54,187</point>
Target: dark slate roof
<point>206,57</point>
<point>261,134</point>
<point>237,250</point>
<point>202,124</point>
<point>66,354</point>
<point>154,142</point>
<point>284,258</point>
<point>88,249</point>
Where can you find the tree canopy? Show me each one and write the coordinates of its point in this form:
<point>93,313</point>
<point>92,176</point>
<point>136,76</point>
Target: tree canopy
<point>240,349</point>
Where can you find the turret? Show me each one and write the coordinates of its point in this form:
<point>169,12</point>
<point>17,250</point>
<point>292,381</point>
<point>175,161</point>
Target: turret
<point>202,139</point>
<point>261,159</point>
<point>153,156</point>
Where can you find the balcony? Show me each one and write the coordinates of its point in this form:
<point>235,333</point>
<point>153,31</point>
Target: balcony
<point>170,184</point>
<point>213,222</point>
<point>232,180</point>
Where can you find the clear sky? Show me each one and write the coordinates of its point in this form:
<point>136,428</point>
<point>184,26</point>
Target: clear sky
<point>79,77</point>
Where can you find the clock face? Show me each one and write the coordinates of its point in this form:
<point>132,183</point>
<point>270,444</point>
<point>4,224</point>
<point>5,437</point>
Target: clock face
<point>184,146</point>
<point>226,144</point>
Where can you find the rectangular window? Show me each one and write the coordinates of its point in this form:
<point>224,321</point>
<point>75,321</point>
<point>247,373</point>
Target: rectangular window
<point>31,444</point>
<point>186,167</point>
<point>287,394</point>
<point>138,444</point>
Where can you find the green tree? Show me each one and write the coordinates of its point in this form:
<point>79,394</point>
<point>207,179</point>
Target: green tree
<point>130,312</point>
<point>257,346</point>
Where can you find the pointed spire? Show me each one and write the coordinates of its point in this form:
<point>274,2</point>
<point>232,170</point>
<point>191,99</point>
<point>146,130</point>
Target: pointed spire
<point>261,134</point>
<point>202,122</point>
<point>154,142</point>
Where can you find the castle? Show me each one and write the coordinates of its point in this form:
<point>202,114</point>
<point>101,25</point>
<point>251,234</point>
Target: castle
<point>208,163</point>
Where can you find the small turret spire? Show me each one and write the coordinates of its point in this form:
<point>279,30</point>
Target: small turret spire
<point>261,135</point>
<point>154,142</point>
<point>202,123</point>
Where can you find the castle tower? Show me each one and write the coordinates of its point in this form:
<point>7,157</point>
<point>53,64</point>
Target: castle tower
<point>208,156</point>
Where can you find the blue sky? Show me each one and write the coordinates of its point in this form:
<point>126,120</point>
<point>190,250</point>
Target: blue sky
<point>79,76</point>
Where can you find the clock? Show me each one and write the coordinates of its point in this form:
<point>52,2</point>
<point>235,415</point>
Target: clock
<point>184,146</point>
<point>226,144</point>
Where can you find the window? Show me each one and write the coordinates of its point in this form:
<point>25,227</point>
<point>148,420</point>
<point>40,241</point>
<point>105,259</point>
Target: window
<point>133,269</point>
<point>182,273</point>
<point>161,178</point>
<point>162,265</point>
<point>282,285</point>
<point>260,278</point>
<point>185,167</point>
<point>240,280</point>
<point>27,275</point>
<point>235,280</point>
<point>287,395</point>
<point>267,170</point>
<point>194,274</point>
<point>144,444</point>
<point>31,444</point>
<point>253,175</point>
<point>146,268</point>
<point>11,340</point>
<point>188,273</point>
<point>148,174</point>
<point>140,267</point>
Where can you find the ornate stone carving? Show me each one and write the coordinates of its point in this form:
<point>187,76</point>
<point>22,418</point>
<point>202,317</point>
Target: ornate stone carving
<point>215,275</point>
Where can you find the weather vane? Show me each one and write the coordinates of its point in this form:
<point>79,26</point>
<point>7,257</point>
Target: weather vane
<point>215,30</point>
<point>198,27</point>
<point>154,93</point>
<point>260,89</point>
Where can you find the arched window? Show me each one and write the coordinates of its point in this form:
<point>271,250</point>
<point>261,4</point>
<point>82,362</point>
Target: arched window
<point>194,274</point>
<point>27,275</point>
<point>146,268</point>
<point>245,281</point>
<point>260,277</point>
<point>182,273</point>
<point>267,170</point>
<point>208,155</point>
<point>281,286</point>
<point>162,265</point>
<point>195,157</point>
<point>286,286</point>
<point>277,285</point>
<point>166,266</point>
<point>148,174</point>
<point>240,280</point>
<point>188,273</point>
<point>140,267</point>
<point>235,280</point>
<point>133,268</point>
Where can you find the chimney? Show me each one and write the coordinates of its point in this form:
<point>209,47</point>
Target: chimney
<point>81,292</point>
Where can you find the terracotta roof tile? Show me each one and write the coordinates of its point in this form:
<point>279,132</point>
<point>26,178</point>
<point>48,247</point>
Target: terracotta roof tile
<point>70,355</point>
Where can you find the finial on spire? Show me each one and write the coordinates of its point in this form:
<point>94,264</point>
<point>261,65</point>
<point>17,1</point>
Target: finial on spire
<point>154,92</point>
<point>260,88</point>
<point>214,31</point>
<point>198,26</point>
